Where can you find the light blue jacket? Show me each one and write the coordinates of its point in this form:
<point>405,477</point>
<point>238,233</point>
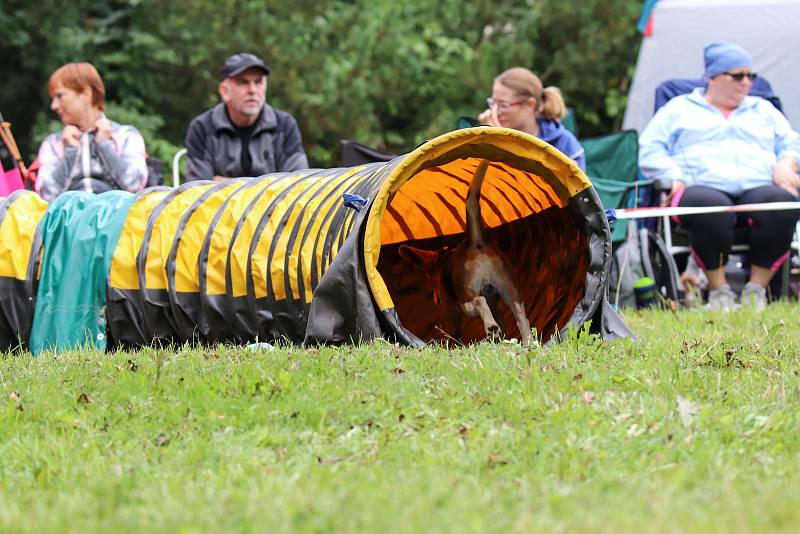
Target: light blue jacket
<point>690,140</point>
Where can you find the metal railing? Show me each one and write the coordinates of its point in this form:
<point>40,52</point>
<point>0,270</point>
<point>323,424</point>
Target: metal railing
<point>176,167</point>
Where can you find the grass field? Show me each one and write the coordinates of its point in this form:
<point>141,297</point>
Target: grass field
<point>695,427</point>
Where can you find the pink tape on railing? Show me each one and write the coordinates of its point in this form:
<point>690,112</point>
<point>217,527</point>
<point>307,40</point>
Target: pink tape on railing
<point>777,265</point>
<point>697,259</point>
<point>675,202</point>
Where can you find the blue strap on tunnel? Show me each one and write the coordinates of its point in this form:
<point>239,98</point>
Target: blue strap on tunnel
<point>355,202</point>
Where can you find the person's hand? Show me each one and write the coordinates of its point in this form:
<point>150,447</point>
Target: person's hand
<point>785,175</point>
<point>71,136</point>
<point>489,117</point>
<point>103,127</point>
<point>219,178</point>
<point>677,187</point>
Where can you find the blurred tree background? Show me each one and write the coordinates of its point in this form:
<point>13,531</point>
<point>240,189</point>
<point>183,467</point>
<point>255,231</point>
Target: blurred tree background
<point>387,73</point>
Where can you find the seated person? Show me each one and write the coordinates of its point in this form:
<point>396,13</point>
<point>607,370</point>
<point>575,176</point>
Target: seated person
<point>243,136</point>
<point>518,101</point>
<point>91,153</point>
<point>718,146</point>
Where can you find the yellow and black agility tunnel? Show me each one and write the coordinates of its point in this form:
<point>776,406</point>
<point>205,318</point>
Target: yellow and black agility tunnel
<point>309,256</point>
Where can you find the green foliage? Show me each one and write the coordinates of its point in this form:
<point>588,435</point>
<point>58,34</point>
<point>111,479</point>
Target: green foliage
<point>388,73</point>
<point>691,428</point>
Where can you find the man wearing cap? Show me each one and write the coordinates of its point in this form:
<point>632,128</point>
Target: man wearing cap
<point>720,147</point>
<point>243,136</point>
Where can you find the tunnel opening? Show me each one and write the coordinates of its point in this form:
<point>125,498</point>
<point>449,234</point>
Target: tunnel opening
<point>523,214</point>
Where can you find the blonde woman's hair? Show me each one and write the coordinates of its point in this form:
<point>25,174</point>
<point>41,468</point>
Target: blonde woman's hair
<point>549,102</point>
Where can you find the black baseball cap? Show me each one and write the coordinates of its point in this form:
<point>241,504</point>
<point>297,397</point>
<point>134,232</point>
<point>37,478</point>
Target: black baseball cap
<point>238,63</point>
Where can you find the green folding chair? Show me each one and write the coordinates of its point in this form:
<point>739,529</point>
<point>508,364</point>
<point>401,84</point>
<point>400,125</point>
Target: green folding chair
<point>613,168</point>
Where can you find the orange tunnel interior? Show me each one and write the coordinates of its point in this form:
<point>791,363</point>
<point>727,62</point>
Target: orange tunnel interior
<point>528,219</point>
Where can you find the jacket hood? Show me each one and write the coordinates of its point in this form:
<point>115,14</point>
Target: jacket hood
<point>550,130</point>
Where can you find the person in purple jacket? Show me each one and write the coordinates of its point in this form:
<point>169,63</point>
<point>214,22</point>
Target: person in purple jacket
<point>519,101</point>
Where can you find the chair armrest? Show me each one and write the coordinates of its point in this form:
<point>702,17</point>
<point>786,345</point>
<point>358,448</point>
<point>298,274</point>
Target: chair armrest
<point>617,185</point>
<point>659,184</point>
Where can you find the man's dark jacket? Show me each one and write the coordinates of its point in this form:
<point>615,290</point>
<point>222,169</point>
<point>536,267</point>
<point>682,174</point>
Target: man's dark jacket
<point>214,148</point>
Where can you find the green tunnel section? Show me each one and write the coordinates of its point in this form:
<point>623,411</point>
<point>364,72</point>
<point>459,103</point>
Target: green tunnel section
<point>283,257</point>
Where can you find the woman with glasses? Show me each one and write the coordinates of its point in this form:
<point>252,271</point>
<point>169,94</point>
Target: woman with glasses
<point>520,102</point>
<point>91,153</point>
<point>718,146</point>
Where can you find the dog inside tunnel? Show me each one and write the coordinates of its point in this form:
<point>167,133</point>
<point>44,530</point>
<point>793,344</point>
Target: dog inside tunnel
<point>539,233</point>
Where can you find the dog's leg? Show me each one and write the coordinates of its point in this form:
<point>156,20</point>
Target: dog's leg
<point>510,295</point>
<point>497,313</point>
<point>453,323</point>
<point>518,309</point>
<point>478,307</point>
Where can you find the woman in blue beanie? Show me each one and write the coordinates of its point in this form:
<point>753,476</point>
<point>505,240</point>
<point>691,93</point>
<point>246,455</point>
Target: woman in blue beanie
<point>720,147</point>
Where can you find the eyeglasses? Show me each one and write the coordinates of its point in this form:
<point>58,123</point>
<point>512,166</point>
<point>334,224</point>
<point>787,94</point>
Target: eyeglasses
<point>502,105</point>
<point>739,76</point>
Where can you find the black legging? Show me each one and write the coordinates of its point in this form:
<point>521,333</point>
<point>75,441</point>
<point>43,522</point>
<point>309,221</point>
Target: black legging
<point>711,235</point>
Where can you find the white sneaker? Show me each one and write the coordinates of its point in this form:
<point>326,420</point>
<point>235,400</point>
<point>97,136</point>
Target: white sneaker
<point>755,296</point>
<point>721,298</point>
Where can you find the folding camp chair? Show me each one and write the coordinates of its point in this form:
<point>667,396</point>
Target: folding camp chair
<point>612,167</point>
<point>676,238</point>
<point>354,153</point>
<point>12,168</point>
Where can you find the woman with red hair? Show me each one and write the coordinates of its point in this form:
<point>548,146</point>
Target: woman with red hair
<point>91,153</point>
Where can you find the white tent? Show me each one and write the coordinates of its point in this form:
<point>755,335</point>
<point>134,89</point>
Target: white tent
<point>768,29</point>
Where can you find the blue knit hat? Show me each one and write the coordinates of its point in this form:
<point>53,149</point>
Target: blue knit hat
<point>721,56</point>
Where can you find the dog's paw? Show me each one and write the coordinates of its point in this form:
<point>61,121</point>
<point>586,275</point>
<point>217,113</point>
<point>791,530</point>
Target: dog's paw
<point>493,331</point>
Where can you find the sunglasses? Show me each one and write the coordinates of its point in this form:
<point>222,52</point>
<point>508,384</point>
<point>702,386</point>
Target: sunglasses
<point>739,76</point>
